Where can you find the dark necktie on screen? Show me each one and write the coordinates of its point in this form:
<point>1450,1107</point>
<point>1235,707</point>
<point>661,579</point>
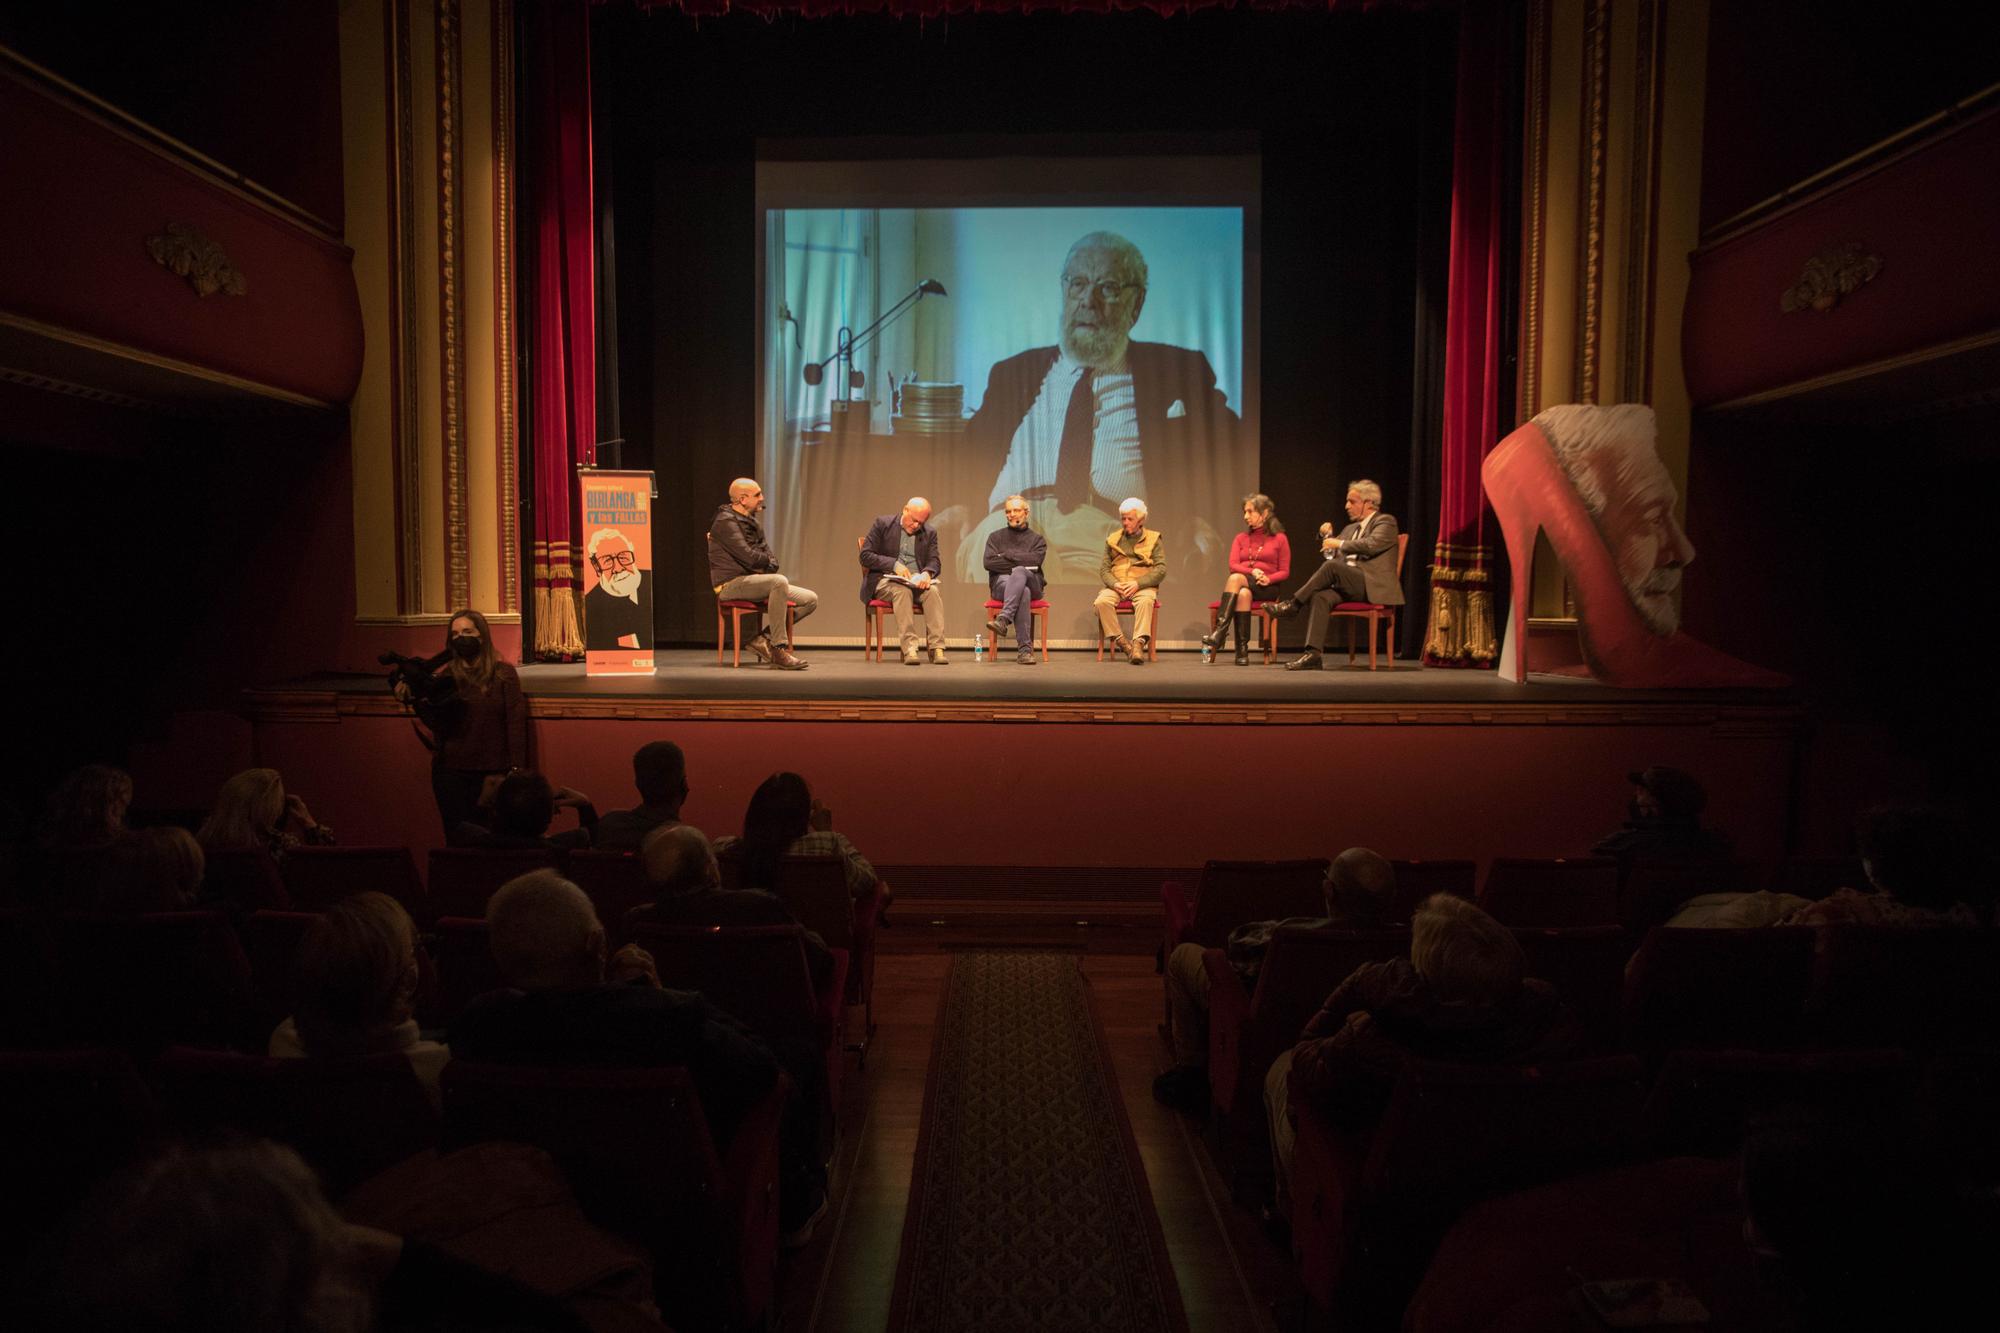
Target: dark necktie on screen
<point>1079,437</point>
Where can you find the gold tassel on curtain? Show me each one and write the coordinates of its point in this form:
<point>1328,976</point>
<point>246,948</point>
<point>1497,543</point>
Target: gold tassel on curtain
<point>1460,632</point>
<point>558,618</point>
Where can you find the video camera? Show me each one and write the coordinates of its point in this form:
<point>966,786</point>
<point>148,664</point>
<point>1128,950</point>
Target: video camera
<point>433,692</point>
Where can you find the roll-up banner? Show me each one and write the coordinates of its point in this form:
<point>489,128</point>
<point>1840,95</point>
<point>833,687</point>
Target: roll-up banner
<point>617,535</point>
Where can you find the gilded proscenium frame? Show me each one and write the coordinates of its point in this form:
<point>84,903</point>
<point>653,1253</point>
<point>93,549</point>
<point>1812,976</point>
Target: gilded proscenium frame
<point>1595,130</point>
<point>405,448</point>
<point>505,437</point>
<point>451,330</point>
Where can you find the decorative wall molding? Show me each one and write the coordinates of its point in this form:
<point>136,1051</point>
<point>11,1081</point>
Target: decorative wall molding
<point>405,326</point>
<point>505,437</point>
<point>1837,271</point>
<point>186,253</point>
<point>1595,130</point>
<point>1534,206</point>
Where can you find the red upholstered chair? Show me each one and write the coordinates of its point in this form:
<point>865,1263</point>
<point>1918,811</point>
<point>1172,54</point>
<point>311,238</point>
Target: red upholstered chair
<point>1586,965</point>
<point>271,942</point>
<point>1924,989</point>
<point>815,890</point>
<point>758,974</point>
<point>1124,608</point>
<point>1367,1213</point>
<point>1374,613</point>
<point>1956,1108</point>
<point>871,627</point>
<point>246,878</point>
<point>636,1147</point>
<point>1039,609</point>
<point>616,883</point>
<point>1718,988</point>
<point>27,980</point>
<point>1651,892</point>
<point>1816,876</point>
<point>463,878</point>
<point>1267,627</point>
<point>1418,880</point>
<point>1556,891</point>
<point>1248,1031</point>
<point>737,609</point>
<point>318,877</point>
<point>1230,893</point>
<point>144,982</point>
<point>1703,1100</point>
<point>348,1118</point>
<point>465,965</point>
<point>68,1119</point>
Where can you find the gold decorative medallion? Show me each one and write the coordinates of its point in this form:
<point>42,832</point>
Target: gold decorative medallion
<point>1834,272</point>
<point>186,252</point>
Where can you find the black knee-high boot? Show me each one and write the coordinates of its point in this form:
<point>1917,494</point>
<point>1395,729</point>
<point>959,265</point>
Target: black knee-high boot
<point>1242,619</point>
<point>1215,638</point>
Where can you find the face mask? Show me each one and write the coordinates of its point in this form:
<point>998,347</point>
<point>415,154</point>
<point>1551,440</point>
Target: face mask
<point>465,646</point>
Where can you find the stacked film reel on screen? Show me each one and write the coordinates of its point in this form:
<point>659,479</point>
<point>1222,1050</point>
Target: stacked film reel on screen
<point>932,408</point>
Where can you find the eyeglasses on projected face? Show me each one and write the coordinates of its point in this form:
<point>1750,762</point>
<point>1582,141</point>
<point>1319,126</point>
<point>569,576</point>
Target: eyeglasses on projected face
<point>614,560</point>
<point>1075,287</point>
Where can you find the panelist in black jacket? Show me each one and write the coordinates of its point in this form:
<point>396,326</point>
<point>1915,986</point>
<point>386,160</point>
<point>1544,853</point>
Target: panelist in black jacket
<point>1100,416</point>
<point>742,568</point>
<point>899,564</point>
<point>1357,566</point>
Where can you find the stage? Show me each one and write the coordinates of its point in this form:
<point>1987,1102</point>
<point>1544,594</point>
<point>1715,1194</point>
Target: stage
<point>1068,791</point>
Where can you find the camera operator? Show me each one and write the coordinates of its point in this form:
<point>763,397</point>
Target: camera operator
<point>485,734</point>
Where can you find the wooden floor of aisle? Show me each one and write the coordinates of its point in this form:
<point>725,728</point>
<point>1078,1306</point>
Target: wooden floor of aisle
<point>1230,1272</point>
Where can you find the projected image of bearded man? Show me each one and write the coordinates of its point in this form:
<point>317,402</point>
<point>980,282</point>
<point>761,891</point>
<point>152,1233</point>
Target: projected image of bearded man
<point>1101,415</point>
<point>618,611</point>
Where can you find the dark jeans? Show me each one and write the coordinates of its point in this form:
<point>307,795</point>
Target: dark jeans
<point>1016,589</point>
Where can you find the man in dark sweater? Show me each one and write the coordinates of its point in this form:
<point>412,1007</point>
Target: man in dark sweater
<point>742,568</point>
<point>1014,556</point>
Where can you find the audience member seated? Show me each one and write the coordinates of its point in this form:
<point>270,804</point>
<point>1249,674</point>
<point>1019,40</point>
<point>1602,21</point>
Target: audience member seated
<point>86,817</point>
<point>355,982</point>
<point>153,870</point>
<point>240,1239</point>
<point>1860,1239</point>
<point>687,884</point>
<point>524,805</point>
<point>572,1006</point>
<point>1360,887</point>
<point>659,771</point>
<point>1920,873</point>
<point>1664,824</point>
<point>1462,995</point>
<point>253,810</point>
<point>784,820</point>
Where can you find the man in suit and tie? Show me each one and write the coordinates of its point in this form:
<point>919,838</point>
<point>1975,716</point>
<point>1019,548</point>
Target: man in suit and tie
<point>1357,566</point>
<point>899,564</point>
<point>1101,415</point>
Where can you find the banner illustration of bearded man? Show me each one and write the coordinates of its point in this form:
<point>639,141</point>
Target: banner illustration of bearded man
<point>618,610</point>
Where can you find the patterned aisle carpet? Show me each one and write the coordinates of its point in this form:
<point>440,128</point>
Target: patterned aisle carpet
<point>1028,1205</point>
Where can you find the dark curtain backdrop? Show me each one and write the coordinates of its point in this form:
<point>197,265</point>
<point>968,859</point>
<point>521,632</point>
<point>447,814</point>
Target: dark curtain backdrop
<point>1353,111</point>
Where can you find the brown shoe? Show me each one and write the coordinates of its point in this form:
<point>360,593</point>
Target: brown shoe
<point>938,658</point>
<point>1123,646</point>
<point>760,648</point>
<point>784,659</point>
<point>1138,652</point>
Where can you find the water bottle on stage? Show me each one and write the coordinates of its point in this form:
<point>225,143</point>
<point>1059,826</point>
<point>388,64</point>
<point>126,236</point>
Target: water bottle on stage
<point>979,647</point>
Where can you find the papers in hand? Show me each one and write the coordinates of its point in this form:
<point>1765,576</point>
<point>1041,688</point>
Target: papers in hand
<point>906,580</point>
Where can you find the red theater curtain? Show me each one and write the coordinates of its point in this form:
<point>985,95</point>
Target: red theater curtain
<point>1460,633</point>
<point>562,337</point>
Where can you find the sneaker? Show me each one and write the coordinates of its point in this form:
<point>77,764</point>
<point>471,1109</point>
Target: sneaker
<point>1184,1087</point>
<point>784,659</point>
<point>802,1234</point>
<point>1025,656</point>
<point>999,627</point>
<point>938,658</point>
<point>910,658</point>
<point>760,648</point>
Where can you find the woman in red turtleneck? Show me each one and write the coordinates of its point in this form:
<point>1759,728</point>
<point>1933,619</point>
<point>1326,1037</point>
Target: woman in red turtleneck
<point>1259,560</point>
